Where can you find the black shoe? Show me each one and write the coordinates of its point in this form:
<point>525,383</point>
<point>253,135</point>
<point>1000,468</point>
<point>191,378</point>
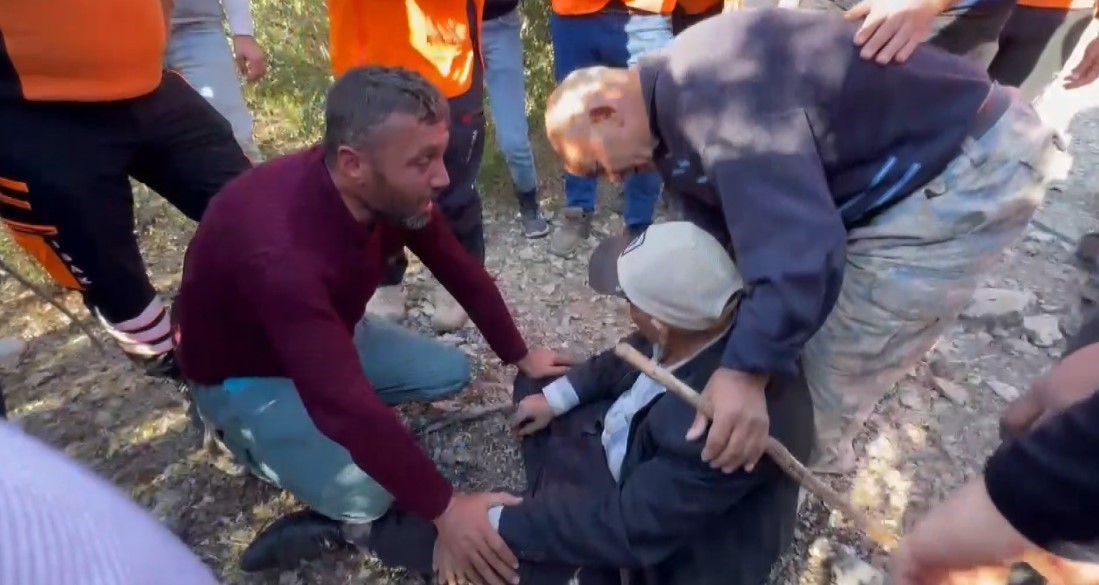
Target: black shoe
<point>295,538</point>
<point>160,366</point>
<point>531,219</point>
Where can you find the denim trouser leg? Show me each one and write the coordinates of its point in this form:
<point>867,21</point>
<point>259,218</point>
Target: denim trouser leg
<point>201,53</point>
<point>644,34</point>
<point>575,46</point>
<point>264,423</point>
<point>614,39</point>
<point>503,52</point>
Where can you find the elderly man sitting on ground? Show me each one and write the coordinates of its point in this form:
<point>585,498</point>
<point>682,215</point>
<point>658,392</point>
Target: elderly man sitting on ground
<point>615,479</point>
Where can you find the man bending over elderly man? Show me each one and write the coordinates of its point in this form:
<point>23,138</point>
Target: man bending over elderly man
<point>863,203</point>
<point>613,482</point>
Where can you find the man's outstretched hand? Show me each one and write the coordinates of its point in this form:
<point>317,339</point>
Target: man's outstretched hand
<point>892,29</point>
<point>468,550</point>
<point>738,433</point>
<point>544,363</point>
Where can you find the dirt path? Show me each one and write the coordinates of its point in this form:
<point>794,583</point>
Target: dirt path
<point>921,442</point>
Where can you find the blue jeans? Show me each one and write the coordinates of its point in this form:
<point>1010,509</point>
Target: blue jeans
<point>502,47</point>
<point>615,39</point>
<point>265,425</point>
<point>200,53</point>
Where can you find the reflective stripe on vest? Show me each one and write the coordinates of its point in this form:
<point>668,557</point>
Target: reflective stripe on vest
<point>430,37</point>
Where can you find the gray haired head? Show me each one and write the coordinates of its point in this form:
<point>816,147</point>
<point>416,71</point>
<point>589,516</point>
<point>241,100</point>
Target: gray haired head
<point>363,98</point>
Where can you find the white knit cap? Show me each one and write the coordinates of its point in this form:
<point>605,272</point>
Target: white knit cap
<point>674,271</point>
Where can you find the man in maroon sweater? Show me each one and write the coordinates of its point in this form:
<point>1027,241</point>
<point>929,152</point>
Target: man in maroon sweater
<point>275,283</point>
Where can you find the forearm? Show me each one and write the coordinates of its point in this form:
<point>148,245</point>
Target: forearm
<point>238,13</point>
<point>966,531</point>
<point>471,286</point>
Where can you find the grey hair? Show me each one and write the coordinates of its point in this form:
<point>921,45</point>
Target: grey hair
<point>363,98</point>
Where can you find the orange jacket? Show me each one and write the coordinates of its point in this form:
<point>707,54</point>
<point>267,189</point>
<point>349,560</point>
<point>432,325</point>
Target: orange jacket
<point>581,7</point>
<point>81,50</point>
<point>430,37</point>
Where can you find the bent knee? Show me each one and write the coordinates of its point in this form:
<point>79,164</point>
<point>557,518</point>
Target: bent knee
<point>450,372</point>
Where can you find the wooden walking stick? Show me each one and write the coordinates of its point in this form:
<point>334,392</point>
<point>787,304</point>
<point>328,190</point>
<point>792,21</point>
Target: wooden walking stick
<point>873,528</point>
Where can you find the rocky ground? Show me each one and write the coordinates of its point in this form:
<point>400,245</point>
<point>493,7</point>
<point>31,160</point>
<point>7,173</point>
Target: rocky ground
<point>927,437</point>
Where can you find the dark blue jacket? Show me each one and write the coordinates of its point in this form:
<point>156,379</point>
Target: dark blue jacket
<point>671,520</point>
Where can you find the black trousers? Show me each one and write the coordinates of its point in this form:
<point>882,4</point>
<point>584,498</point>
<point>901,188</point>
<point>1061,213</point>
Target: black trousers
<point>1035,45</point>
<point>564,456</point>
<point>973,33</point>
<point>65,192</point>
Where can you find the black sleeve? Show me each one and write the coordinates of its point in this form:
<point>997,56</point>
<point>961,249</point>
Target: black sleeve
<point>1046,483</point>
<point>787,235</point>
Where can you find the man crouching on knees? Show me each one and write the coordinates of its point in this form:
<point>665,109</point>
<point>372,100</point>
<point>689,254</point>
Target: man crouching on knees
<point>613,483</point>
<point>273,345</point>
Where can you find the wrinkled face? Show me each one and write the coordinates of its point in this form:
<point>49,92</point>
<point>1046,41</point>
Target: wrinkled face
<point>595,137</point>
<point>402,173</point>
<point>607,150</point>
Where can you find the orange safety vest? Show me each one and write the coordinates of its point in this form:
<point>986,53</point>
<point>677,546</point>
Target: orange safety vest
<point>81,50</point>
<point>582,7</point>
<point>430,37</point>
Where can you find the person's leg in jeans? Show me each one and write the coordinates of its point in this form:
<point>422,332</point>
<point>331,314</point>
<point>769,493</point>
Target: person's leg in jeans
<point>264,424</point>
<point>897,299</point>
<point>1035,45</point>
<point>576,44</point>
<point>201,53</point>
<point>644,34</point>
<point>507,100</point>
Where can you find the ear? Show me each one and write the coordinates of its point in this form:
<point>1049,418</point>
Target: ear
<point>352,163</point>
<point>601,113</point>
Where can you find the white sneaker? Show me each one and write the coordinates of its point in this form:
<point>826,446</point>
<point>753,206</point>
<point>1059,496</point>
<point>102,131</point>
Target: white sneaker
<point>388,302</point>
<point>449,315</point>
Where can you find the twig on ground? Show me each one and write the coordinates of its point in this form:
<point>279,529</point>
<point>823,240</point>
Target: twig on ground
<point>461,416</point>
<point>46,297</point>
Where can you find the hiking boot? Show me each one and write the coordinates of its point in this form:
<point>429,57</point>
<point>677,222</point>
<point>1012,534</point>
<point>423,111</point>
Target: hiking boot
<point>574,229</point>
<point>388,302</point>
<point>296,538</point>
<point>449,315</point>
<point>531,219</point>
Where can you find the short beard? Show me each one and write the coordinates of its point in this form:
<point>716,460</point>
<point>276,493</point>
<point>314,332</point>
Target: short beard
<point>416,222</point>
